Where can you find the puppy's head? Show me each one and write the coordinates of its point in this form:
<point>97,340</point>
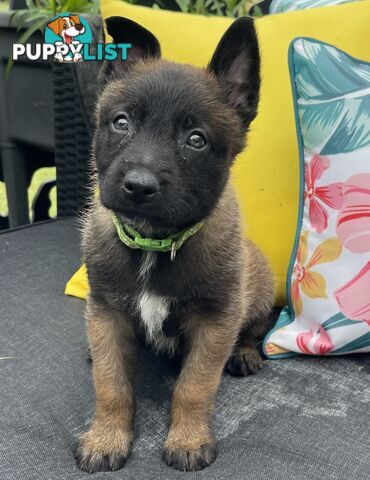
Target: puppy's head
<point>167,133</point>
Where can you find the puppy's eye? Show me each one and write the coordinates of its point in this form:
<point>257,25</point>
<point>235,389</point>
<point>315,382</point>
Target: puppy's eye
<point>196,140</point>
<point>120,123</point>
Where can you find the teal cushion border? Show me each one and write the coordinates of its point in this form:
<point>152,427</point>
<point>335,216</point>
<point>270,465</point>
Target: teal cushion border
<point>282,6</point>
<point>287,315</point>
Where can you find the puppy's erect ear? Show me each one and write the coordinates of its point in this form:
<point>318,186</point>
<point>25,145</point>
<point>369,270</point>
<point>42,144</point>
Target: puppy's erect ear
<point>236,64</point>
<point>144,44</point>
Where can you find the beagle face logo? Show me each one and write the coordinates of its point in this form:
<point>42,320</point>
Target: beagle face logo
<point>67,38</point>
<point>68,28</point>
<point>68,32</point>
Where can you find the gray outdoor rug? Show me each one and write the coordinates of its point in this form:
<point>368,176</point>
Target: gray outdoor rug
<point>298,419</point>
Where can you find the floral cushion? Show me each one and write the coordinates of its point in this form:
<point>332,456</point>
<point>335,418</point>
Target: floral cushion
<point>328,284</point>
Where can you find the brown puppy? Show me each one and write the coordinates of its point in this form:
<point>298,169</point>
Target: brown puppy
<point>166,138</point>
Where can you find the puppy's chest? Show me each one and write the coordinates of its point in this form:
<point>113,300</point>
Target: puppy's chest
<point>154,310</point>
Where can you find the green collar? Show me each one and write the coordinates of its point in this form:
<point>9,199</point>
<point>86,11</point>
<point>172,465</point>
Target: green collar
<point>132,239</point>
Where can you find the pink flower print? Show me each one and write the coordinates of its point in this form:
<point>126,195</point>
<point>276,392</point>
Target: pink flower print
<point>353,223</point>
<point>330,195</point>
<point>303,339</point>
<point>323,344</point>
<point>315,343</point>
<point>354,297</point>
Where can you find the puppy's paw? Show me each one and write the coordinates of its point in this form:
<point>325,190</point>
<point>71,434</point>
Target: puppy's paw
<point>244,363</point>
<point>102,453</point>
<point>190,460</point>
<point>92,462</point>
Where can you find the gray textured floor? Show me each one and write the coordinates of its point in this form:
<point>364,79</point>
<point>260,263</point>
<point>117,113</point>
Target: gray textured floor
<point>299,419</point>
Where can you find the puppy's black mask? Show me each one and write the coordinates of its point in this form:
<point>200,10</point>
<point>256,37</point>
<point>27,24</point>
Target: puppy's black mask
<point>167,133</point>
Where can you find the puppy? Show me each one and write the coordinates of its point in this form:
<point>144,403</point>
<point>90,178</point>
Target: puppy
<point>166,137</point>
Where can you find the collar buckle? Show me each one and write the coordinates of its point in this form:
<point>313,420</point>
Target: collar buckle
<point>153,244</point>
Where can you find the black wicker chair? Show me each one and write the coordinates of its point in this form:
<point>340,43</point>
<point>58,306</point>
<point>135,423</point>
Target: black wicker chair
<point>72,141</point>
<point>75,90</point>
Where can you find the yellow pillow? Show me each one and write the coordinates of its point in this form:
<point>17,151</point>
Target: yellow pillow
<point>78,286</point>
<point>265,175</point>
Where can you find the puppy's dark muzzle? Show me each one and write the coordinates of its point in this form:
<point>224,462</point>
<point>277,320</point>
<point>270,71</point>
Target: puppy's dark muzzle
<point>79,26</point>
<point>140,185</point>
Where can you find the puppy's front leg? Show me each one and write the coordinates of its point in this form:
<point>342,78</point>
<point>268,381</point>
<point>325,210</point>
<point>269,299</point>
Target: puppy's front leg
<point>107,444</point>
<point>190,444</point>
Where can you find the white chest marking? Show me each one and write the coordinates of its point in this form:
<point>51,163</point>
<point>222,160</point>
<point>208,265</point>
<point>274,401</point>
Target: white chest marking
<point>153,311</point>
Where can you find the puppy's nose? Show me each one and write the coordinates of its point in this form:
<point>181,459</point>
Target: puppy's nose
<point>79,26</point>
<point>140,185</point>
